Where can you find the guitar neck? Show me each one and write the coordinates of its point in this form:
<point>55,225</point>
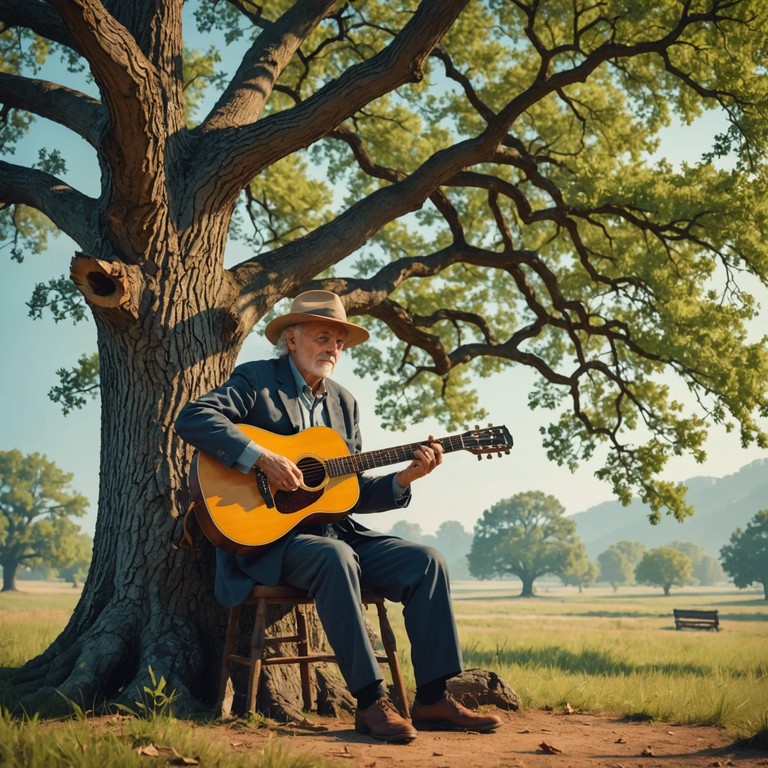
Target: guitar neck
<point>360,462</point>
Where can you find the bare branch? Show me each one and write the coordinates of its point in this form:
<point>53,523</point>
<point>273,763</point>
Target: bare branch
<point>72,109</point>
<point>37,16</point>
<point>71,211</point>
<point>453,73</point>
<point>244,99</point>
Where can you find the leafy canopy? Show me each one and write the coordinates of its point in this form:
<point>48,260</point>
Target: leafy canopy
<point>664,567</point>
<point>36,505</point>
<point>745,557</point>
<point>526,536</point>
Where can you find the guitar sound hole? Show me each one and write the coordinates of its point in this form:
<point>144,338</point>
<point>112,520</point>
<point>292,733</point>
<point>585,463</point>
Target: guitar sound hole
<point>313,471</point>
<point>314,474</point>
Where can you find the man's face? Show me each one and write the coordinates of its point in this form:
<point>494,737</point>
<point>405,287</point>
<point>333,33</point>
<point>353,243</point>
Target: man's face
<point>315,348</point>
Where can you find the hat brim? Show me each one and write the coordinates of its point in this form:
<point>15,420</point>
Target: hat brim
<point>356,334</point>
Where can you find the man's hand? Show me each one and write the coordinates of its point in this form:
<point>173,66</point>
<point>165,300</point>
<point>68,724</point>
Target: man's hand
<point>282,473</point>
<point>425,459</point>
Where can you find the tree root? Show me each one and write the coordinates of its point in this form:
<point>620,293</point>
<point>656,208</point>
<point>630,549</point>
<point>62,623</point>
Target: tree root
<point>109,666</point>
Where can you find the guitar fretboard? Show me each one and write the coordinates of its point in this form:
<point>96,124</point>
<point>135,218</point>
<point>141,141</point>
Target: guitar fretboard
<point>360,462</point>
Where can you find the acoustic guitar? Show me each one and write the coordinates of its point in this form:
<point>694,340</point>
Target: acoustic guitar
<point>241,513</point>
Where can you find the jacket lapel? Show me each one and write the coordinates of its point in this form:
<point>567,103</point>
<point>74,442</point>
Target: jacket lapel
<point>335,413</point>
<point>286,389</point>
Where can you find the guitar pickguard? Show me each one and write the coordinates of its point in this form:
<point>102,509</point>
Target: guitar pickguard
<point>289,502</point>
<point>315,480</point>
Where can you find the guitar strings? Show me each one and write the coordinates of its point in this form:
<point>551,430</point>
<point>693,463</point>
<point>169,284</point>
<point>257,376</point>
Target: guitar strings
<point>358,462</point>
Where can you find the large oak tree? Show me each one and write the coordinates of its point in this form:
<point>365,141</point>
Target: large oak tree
<point>476,178</point>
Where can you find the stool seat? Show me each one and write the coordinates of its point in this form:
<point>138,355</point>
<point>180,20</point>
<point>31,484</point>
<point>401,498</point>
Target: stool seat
<point>262,597</point>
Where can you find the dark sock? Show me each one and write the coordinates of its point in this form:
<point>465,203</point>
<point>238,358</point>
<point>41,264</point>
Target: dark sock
<point>366,696</point>
<point>432,692</point>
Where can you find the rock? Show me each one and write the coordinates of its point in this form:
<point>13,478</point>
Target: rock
<point>476,687</point>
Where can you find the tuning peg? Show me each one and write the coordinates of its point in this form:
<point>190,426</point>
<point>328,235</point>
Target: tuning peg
<point>488,455</point>
<point>479,457</point>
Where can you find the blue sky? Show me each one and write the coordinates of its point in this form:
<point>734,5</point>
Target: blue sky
<point>461,490</point>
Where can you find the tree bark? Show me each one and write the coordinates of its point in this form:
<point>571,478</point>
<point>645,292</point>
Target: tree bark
<point>146,603</point>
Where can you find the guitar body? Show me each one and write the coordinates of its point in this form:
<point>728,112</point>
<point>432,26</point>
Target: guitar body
<point>241,514</point>
<point>235,515</point>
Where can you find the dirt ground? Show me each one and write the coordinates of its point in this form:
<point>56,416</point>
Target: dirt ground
<point>528,739</point>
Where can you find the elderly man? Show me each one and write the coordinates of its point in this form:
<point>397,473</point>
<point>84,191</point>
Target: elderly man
<point>333,562</point>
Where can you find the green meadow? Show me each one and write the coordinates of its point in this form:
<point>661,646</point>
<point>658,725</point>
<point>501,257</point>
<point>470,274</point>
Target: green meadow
<point>595,651</point>
<point>619,652</point>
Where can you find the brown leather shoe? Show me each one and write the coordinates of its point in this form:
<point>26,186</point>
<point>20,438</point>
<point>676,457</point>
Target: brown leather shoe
<point>382,721</point>
<point>449,714</point>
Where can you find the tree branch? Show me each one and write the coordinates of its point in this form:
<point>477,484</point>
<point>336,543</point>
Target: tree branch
<point>72,109</point>
<point>37,16</point>
<point>258,145</point>
<point>117,63</point>
<point>244,99</point>
<point>73,212</point>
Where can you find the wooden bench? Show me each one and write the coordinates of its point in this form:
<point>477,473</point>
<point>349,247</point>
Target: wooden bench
<point>689,619</point>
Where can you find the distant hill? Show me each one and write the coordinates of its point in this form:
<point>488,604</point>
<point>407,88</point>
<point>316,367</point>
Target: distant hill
<point>721,505</point>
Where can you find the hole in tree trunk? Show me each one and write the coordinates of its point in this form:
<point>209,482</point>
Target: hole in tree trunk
<point>100,284</point>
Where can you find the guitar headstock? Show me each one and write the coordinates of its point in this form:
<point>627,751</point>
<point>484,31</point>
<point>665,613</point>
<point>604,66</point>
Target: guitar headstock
<point>487,441</point>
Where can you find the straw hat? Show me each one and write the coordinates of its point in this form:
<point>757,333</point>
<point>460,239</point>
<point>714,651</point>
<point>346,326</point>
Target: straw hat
<point>313,306</point>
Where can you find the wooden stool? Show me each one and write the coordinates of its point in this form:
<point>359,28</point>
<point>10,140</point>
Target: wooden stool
<point>262,597</point>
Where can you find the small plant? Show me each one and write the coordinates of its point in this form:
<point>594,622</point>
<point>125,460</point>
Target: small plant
<point>154,701</point>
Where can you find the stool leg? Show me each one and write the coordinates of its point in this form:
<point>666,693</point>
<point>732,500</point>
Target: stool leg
<point>233,630</point>
<point>257,652</point>
<point>390,648</point>
<point>304,650</point>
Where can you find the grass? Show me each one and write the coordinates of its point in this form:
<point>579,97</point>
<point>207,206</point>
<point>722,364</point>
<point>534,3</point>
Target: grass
<point>127,743</point>
<point>619,652</point>
<point>597,650</point>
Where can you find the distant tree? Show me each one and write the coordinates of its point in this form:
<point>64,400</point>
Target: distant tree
<point>580,572</point>
<point>664,567</point>
<point>705,569</point>
<point>708,571</point>
<point>406,529</point>
<point>75,559</point>
<point>455,542</point>
<point>526,536</point>
<point>745,557</point>
<point>35,507</point>
<point>633,551</point>
<point>615,568</point>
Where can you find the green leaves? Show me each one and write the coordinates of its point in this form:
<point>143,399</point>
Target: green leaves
<point>527,536</point>
<point>77,384</point>
<point>664,567</point>
<point>745,557</point>
<point>35,506</point>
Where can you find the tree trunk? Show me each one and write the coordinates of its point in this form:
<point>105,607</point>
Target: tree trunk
<point>146,603</point>
<point>527,590</point>
<point>9,576</point>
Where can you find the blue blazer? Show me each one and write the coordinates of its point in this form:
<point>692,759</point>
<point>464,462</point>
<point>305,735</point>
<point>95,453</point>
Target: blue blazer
<point>263,394</point>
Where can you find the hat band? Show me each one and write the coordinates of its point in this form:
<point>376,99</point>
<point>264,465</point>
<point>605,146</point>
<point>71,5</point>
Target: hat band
<point>325,312</point>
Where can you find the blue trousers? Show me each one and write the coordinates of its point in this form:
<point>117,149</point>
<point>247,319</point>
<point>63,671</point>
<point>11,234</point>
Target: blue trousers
<point>334,570</point>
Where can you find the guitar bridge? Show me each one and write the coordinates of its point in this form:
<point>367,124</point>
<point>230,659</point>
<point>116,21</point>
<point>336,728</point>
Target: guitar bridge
<point>264,489</point>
